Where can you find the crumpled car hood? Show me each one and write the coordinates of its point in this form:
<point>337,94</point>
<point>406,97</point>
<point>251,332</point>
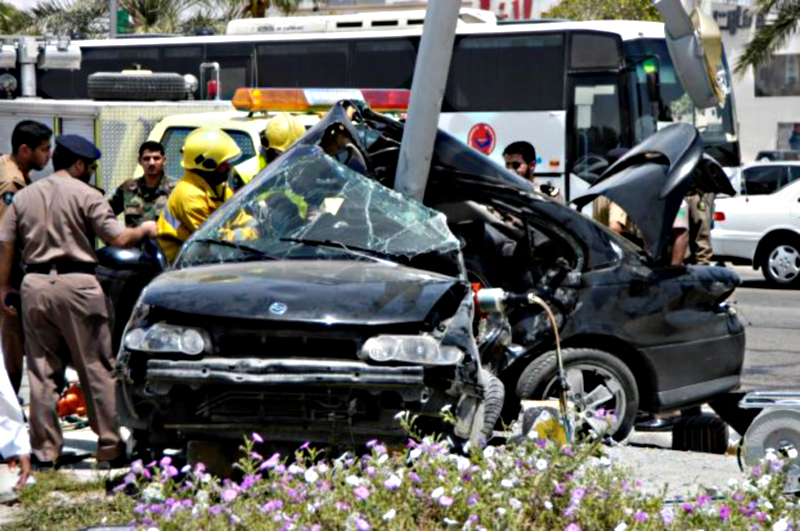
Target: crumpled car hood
<point>331,292</point>
<point>650,181</point>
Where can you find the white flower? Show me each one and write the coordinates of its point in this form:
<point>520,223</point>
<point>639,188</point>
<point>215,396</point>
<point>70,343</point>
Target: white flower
<point>153,493</point>
<point>414,454</point>
<point>458,489</point>
<point>621,527</point>
<point>548,505</point>
<point>353,481</point>
<point>781,525</point>
<point>507,483</point>
<point>322,467</point>
<point>390,514</point>
<point>487,475</point>
<point>771,455</point>
<point>311,476</point>
<point>791,453</point>
<point>383,458</point>
<point>541,464</point>
<point>393,482</point>
<point>437,493</point>
<point>501,511</point>
<point>733,483</point>
<point>462,463</point>
<point>605,462</point>
<point>400,415</point>
<point>450,521</point>
<point>467,446</point>
<point>447,408</point>
<point>764,481</point>
<point>294,469</point>
<point>201,496</point>
<point>515,504</point>
<point>489,452</point>
<point>628,511</point>
<point>768,505</point>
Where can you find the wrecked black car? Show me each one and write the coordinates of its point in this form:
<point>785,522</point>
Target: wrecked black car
<point>315,305</point>
<point>293,309</point>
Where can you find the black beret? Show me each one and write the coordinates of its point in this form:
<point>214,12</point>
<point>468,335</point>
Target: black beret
<point>79,146</point>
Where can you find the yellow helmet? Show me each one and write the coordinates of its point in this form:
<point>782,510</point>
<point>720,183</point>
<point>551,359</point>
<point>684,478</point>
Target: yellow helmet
<point>206,148</point>
<point>283,130</point>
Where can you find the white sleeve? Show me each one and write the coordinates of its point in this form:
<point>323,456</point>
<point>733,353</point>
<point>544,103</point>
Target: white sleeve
<point>14,438</point>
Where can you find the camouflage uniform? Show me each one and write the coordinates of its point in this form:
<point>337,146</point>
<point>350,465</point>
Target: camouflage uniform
<point>140,202</point>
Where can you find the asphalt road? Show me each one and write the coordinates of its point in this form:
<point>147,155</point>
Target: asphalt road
<point>772,320</point>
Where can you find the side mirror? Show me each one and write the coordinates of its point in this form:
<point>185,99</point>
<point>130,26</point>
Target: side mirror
<point>653,81</point>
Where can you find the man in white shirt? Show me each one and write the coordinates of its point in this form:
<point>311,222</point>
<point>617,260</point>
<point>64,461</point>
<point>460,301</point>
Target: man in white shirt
<point>15,445</point>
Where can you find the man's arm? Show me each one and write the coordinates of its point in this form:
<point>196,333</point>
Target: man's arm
<point>6,263</point>
<point>679,247</point>
<point>117,201</point>
<point>131,236</point>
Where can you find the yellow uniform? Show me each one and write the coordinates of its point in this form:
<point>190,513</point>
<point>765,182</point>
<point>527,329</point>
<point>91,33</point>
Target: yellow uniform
<point>189,205</point>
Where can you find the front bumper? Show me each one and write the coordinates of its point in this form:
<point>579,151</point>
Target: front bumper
<point>283,372</point>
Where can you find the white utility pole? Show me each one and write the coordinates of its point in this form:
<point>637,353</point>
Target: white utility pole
<point>112,19</point>
<point>427,92</point>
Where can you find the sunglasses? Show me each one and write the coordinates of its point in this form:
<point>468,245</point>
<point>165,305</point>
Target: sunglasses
<point>515,165</point>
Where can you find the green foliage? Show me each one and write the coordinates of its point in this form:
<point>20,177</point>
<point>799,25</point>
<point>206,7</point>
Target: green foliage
<point>605,10</point>
<point>768,39</point>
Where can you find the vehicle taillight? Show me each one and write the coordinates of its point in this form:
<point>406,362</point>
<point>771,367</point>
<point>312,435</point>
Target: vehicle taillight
<point>719,216</point>
<point>316,100</point>
<point>211,89</point>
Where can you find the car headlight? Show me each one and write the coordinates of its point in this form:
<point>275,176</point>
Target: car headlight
<point>168,338</point>
<point>422,350</point>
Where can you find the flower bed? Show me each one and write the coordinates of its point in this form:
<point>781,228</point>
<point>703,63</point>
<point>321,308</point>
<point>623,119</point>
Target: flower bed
<point>534,484</point>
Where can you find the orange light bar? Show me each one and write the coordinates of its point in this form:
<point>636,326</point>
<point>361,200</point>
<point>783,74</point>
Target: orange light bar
<point>315,100</point>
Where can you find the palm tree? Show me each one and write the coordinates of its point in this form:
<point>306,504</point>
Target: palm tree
<point>12,20</point>
<point>769,38</point>
<point>158,16</point>
<point>89,18</point>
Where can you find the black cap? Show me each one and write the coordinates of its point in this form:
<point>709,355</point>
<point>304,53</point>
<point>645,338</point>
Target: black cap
<point>79,146</point>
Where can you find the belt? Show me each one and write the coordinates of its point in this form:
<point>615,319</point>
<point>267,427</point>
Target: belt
<point>61,267</point>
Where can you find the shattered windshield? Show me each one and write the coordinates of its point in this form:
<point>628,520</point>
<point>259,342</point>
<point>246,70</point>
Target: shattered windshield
<point>307,205</point>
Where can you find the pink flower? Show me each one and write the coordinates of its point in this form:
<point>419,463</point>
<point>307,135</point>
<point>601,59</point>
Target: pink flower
<point>228,495</point>
<point>362,492</point>
<point>257,438</point>
<point>445,501</point>
<point>724,512</point>
<point>272,462</point>
<point>362,525</point>
<point>641,516</point>
<point>165,461</point>
<point>572,527</point>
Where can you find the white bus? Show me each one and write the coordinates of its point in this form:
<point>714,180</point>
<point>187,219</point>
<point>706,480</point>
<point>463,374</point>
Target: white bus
<point>575,90</point>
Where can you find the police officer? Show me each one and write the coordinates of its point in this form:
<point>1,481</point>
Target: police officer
<point>208,154</point>
<point>54,223</point>
<point>701,214</point>
<point>144,198</point>
<point>520,157</point>
<point>30,151</point>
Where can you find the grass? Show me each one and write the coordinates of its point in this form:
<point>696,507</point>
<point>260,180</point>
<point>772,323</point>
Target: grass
<point>61,501</point>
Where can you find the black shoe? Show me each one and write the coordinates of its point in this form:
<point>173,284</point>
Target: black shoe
<point>42,465</point>
<point>657,424</point>
<point>121,461</point>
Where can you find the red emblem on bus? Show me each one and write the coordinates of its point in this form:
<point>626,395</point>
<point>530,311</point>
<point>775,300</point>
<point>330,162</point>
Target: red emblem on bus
<point>482,138</point>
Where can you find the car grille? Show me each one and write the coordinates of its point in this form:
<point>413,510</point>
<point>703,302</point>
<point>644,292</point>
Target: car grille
<point>288,343</point>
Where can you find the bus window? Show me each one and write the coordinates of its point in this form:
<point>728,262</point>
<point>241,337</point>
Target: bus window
<point>174,138</point>
<point>597,125</point>
<point>235,66</point>
<point>593,51</point>
<point>505,73</point>
<point>182,59</point>
<point>383,63</point>
<point>302,64</point>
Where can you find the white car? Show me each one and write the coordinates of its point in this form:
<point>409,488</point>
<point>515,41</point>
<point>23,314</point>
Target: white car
<point>761,226</point>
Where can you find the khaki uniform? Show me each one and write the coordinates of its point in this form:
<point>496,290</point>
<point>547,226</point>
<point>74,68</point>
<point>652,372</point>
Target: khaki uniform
<point>54,222</point>
<point>630,231</point>
<point>701,214</point>
<point>140,202</point>
<point>11,181</point>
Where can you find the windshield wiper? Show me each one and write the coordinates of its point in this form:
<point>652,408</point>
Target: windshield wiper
<point>369,253</point>
<point>237,246</point>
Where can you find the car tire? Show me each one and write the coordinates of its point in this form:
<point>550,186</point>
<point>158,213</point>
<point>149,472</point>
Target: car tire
<point>606,373</point>
<point>700,433</point>
<point>136,87</point>
<point>781,264</point>
<point>494,399</point>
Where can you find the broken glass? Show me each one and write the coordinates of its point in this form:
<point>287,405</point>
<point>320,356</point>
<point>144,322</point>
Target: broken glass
<point>307,205</point>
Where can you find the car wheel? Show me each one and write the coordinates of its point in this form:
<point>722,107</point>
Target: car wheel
<point>598,381</point>
<point>781,265</point>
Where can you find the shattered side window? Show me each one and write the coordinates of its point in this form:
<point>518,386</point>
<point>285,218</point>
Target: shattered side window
<point>307,205</point>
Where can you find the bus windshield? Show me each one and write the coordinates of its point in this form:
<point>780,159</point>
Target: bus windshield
<point>716,125</point>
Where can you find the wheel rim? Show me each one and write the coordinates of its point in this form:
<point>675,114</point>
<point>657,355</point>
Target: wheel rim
<point>592,389</point>
<point>784,263</point>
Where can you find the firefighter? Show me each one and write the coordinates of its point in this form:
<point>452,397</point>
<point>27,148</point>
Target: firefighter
<point>54,223</point>
<point>144,198</point>
<point>282,131</point>
<point>208,156</point>
<point>30,150</point>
